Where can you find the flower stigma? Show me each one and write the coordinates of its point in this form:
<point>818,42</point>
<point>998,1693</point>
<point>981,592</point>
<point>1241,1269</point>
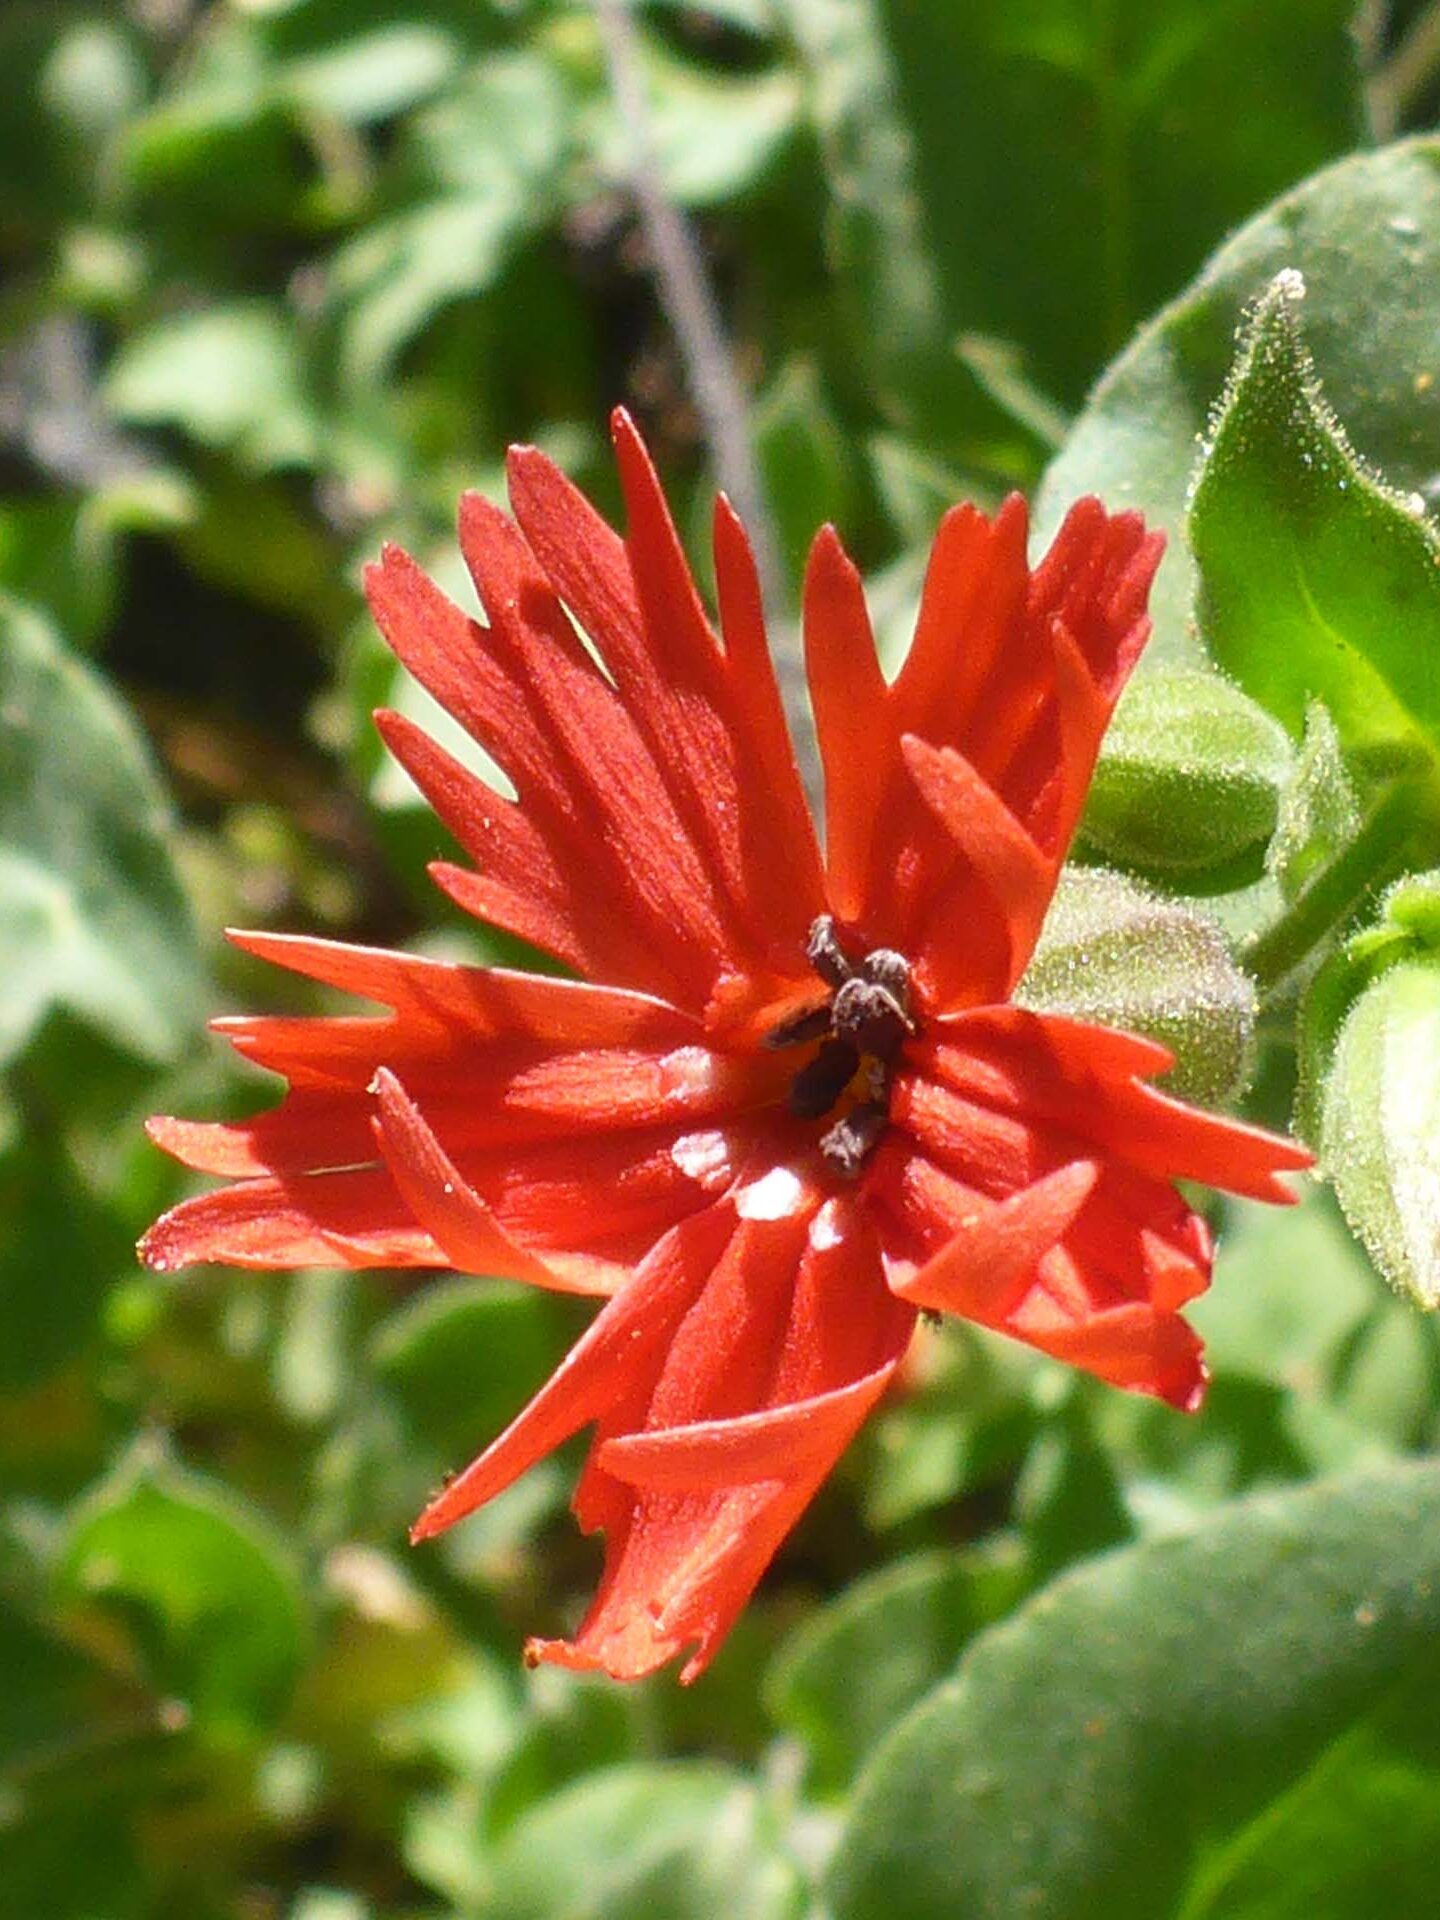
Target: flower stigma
<point>861,1028</point>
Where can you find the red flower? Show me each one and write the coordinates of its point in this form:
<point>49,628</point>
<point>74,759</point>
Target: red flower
<point>800,1108</point>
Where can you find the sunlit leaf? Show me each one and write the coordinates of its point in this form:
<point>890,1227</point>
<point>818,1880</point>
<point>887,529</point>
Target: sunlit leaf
<point>230,376</point>
<point>1372,221</point>
<point>1140,1734</point>
<point>1315,581</point>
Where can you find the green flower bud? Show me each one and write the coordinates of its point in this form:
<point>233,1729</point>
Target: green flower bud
<point>1380,1125</point>
<point>1370,1084</point>
<point>1113,953</point>
<point>1190,776</point>
<point>1406,928</point>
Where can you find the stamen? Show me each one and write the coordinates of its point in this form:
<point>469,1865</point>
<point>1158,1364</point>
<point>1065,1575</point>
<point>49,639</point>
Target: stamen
<point>847,1145</point>
<point>890,970</point>
<point>825,954</point>
<point>821,1081</point>
<point>869,1017</point>
<point>808,1024</point>
<point>864,1024</point>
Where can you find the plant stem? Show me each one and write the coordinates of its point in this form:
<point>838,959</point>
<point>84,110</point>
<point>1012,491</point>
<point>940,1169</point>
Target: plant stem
<point>1375,854</point>
<point>686,295</point>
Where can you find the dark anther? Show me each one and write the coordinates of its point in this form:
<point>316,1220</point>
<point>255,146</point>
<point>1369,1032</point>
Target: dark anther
<point>825,954</point>
<point>889,970</point>
<point>821,1081</point>
<point>808,1024</point>
<point>870,1018</point>
<point>846,1145</point>
<point>863,1024</point>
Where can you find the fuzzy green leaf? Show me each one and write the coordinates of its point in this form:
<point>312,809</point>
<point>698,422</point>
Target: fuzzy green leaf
<point>1162,1730</point>
<point>1371,221</point>
<point>1315,580</point>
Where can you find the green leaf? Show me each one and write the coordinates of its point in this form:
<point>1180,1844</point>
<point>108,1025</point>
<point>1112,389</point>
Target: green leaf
<point>1075,163</point>
<point>492,153</point>
<point>230,376</point>
<point>1380,1125</point>
<point>574,1725</point>
<point>1189,778</point>
<point>849,1671</point>
<point>686,1840</point>
<point>1315,581</point>
<point>1316,1851</point>
<point>712,134</point>
<point>371,76</point>
<point>888,295</point>
<point>462,1357</point>
<point>1370,221</point>
<point>211,1602</point>
<point>218,142</point>
<point>92,916</point>
<point>57,1261</point>
<point>1112,953</point>
<point>1136,1736</point>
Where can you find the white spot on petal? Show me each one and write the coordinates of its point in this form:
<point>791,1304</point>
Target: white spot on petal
<point>704,1157</point>
<point>775,1196</point>
<point>687,1072</point>
<point>827,1228</point>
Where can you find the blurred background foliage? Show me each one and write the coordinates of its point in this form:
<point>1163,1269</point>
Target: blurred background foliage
<point>280,278</point>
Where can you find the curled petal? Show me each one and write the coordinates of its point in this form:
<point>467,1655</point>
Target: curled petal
<point>345,1217</point>
<point>1132,1346</point>
<point>780,1443</point>
<point>449,1208</point>
<point>989,1259</point>
<point>1059,1074</point>
<point>1019,877</point>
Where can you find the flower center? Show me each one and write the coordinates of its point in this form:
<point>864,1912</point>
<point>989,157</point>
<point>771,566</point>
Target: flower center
<point>861,1028</point>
